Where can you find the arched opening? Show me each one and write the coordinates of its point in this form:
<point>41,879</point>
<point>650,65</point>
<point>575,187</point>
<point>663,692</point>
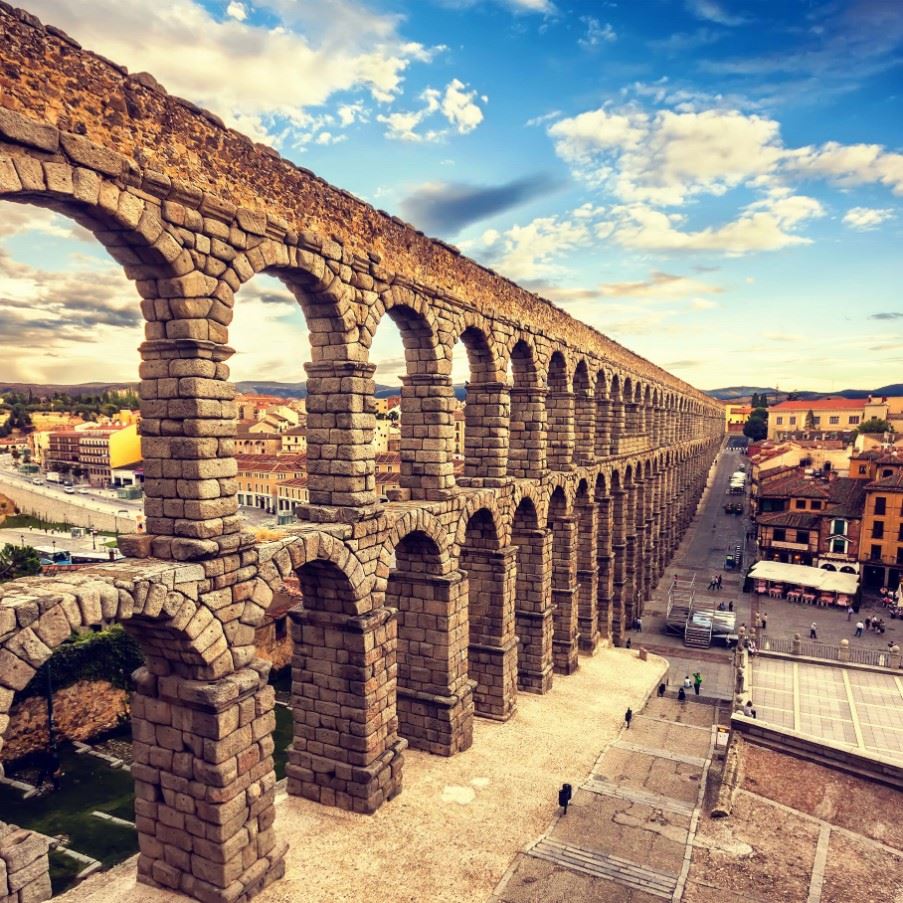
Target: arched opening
<point>564,583</point>
<point>526,447</point>
<point>584,416</point>
<point>533,599</point>
<point>559,415</point>
<point>587,574</point>
<point>491,575</point>
<point>435,695</point>
<point>603,417</point>
<point>417,418</point>
<point>481,416</point>
<point>630,413</point>
<point>345,750</point>
<point>619,556</point>
<point>276,474</point>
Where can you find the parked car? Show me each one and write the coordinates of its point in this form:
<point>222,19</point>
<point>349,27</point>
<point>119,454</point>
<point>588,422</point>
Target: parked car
<point>38,481</point>
<point>82,490</point>
<point>69,490</point>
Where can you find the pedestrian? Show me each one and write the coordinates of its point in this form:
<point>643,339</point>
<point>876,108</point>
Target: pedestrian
<point>813,634</point>
<point>681,695</point>
<point>697,682</point>
<point>628,717</point>
<point>748,709</point>
<point>719,582</point>
<point>868,623</point>
<point>730,605</point>
<point>687,682</point>
<point>627,644</point>
<point>764,620</point>
<point>639,624</point>
<point>859,627</point>
<point>661,689</point>
<point>849,612</point>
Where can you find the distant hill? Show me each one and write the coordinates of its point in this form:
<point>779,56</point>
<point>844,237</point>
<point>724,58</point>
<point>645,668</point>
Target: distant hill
<point>39,390</point>
<point>299,390</point>
<point>742,394</point>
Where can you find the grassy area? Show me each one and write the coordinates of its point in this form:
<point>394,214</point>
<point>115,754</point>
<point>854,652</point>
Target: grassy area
<point>25,521</point>
<point>63,870</point>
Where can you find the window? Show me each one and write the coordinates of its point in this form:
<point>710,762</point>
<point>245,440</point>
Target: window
<point>900,555</point>
<point>816,420</point>
<point>799,503</point>
<point>887,472</point>
<point>862,468</point>
<point>792,421</point>
<point>816,505</point>
<point>880,505</point>
<point>839,546</point>
<point>900,534</point>
<point>780,420</point>
<point>878,529</point>
<point>802,536</point>
<point>875,553</point>
<point>854,419</point>
<point>780,534</point>
<point>834,421</point>
<point>839,527</point>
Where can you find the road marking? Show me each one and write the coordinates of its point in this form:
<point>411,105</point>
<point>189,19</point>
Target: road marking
<point>818,867</point>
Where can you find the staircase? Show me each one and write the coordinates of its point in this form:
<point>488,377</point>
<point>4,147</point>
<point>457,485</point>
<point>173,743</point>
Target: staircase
<point>698,636</point>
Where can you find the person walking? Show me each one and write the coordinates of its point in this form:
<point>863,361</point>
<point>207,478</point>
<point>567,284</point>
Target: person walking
<point>764,620</point>
<point>661,689</point>
<point>730,605</point>
<point>697,682</point>
<point>628,717</point>
<point>859,628</point>
<point>681,694</point>
<point>849,612</point>
<point>813,633</point>
<point>718,583</point>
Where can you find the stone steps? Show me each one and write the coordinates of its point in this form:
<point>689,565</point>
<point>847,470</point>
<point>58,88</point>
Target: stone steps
<point>601,865</point>
<point>598,783</point>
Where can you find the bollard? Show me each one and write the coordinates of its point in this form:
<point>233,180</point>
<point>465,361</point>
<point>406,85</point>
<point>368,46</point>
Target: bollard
<point>893,659</point>
<point>796,646</point>
<point>644,655</point>
<point>843,651</point>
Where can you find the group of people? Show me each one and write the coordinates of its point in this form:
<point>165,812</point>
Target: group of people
<point>715,582</point>
<point>695,683</point>
<point>728,607</point>
<point>876,625</point>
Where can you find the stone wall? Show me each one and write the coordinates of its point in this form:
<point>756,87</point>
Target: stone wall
<point>24,867</point>
<point>80,712</point>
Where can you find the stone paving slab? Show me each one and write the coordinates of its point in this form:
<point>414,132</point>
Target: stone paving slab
<point>534,880</point>
<point>618,827</point>
<point>654,774</point>
<point>676,738</point>
<point>670,755</point>
<point>690,713</point>
<point>599,784</point>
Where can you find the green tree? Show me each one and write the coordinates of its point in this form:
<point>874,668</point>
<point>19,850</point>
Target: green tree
<point>18,561</point>
<point>810,419</point>
<point>755,428</point>
<point>874,426</point>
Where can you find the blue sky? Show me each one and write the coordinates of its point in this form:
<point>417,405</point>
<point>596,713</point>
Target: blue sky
<point>716,185</point>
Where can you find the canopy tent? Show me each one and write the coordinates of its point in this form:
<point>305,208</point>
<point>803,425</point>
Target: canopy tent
<point>803,575</point>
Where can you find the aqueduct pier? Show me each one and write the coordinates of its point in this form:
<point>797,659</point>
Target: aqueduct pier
<point>583,465</point>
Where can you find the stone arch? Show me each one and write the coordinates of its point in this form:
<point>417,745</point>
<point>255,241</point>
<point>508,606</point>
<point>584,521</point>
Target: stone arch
<point>488,500</point>
<point>487,412</point>
<point>417,520</point>
<point>584,415</point>
<point>559,414</point>
<point>527,427</point>
<point>491,572</point>
<point>603,551</point>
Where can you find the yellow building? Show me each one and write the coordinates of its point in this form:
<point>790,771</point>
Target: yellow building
<point>260,476</point>
<point>881,542</point>
<point>820,415</point>
<point>54,420</point>
<point>125,446</point>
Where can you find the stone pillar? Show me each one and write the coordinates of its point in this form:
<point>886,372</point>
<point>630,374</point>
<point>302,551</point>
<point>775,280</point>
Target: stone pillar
<point>24,866</point>
<point>630,557</point>
<point>340,410</point>
<point>559,430</point>
<point>346,751</point>
<point>527,444</point>
<point>435,694</point>
<point>187,424</point>
<point>492,653</point>
<point>631,419</point>
<point>604,565</point>
<point>427,436</point>
<point>487,415</point>
<point>588,580</point>
<point>205,785</point>
<point>533,609</point>
<point>584,427</point>
<point>603,427</point>
<point>565,639</point>
<point>619,569</point>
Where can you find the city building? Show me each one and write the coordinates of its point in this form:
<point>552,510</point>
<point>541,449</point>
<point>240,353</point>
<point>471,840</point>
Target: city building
<point>819,454</point>
<point>881,550</point>
<point>735,416</point>
<point>96,451</point>
<point>460,423</point>
<point>259,478</point>
<point>250,440</point>
<point>294,440</point>
<point>823,415</point>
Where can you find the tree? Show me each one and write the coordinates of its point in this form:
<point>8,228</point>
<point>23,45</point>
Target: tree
<point>810,419</point>
<point>755,428</point>
<point>18,561</point>
<point>15,453</point>
<point>874,426</point>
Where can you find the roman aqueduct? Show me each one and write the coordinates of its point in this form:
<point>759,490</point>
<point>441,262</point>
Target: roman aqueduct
<point>583,466</point>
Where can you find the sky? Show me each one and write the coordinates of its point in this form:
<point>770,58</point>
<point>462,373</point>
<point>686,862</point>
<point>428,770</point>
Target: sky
<point>715,184</point>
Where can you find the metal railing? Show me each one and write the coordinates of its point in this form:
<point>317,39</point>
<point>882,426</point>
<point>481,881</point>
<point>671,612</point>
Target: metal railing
<point>877,658</point>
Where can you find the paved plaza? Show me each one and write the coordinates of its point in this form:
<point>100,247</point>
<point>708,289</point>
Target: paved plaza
<point>849,706</point>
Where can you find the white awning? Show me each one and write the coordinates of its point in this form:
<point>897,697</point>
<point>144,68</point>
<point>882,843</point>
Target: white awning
<point>803,575</point>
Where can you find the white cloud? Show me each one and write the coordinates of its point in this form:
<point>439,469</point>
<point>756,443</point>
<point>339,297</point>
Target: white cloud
<point>459,108</point>
<point>864,218</point>
<point>596,33</point>
<point>711,11</point>
<point>528,252</point>
<point>237,11</point>
<point>703,304</point>
<point>660,286</point>
<point>456,104</point>
<point>851,164</point>
<point>246,72</point>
